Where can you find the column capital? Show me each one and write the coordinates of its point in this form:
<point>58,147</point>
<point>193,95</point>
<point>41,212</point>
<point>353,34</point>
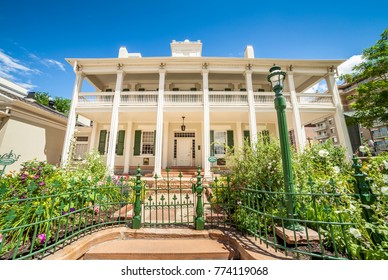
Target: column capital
<point>162,71</point>
<point>205,71</point>
<point>248,72</point>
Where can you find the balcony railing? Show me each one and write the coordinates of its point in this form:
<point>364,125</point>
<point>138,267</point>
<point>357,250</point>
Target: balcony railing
<point>315,99</point>
<point>86,99</point>
<point>267,98</point>
<point>195,98</point>
<point>182,98</point>
<point>139,98</point>
<point>323,136</point>
<point>228,98</point>
<point>321,127</point>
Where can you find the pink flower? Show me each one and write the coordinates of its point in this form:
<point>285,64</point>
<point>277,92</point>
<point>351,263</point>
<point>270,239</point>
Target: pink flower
<point>96,209</point>
<point>42,238</point>
<point>1,237</point>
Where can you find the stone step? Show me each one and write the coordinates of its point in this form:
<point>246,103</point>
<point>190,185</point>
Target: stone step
<point>159,249</point>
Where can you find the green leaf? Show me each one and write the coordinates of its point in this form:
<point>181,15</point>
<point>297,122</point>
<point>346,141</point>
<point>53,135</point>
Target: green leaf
<point>32,187</point>
<point>10,216</point>
<point>39,211</point>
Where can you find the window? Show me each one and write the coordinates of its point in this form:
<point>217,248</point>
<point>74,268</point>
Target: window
<point>330,121</point>
<point>335,140</point>
<point>81,147</point>
<point>219,142</point>
<point>147,147</point>
<point>331,130</point>
<point>103,144</point>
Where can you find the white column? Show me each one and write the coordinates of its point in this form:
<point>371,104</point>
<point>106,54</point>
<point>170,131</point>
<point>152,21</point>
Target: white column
<point>159,124</point>
<point>72,118</point>
<point>342,129</point>
<point>165,145</point>
<point>93,137</point>
<point>206,125</point>
<point>110,159</point>
<point>252,111</point>
<point>127,147</point>
<point>295,112</point>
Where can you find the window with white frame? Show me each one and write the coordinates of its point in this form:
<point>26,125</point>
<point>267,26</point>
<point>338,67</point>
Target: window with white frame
<point>147,147</point>
<point>81,147</point>
<point>219,142</point>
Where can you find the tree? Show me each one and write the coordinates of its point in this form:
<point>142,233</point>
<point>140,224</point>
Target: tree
<point>61,104</point>
<point>42,98</point>
<point>371,98</point>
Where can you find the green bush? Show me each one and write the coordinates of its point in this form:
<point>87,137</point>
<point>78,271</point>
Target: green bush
<point>41,199</point>
<point>324,188</point>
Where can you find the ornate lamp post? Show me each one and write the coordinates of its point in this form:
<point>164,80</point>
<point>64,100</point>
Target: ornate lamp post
<point>276,78</point>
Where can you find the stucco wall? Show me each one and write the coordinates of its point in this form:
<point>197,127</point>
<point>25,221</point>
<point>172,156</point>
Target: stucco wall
<point>31,141</point>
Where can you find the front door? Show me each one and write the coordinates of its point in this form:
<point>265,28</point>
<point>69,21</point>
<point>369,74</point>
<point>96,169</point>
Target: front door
<point>184,151</point>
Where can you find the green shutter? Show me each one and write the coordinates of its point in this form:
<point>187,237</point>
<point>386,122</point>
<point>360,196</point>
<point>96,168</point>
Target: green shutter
<point>247,136</point>
<point>212,142</point>
<point>101,143</point>
<point>153,151</point>
<point>230,139</point>
<point>136,149</point>
<point>120,143</point>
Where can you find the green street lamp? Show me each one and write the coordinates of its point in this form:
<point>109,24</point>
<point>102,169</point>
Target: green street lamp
<point>276,77</point>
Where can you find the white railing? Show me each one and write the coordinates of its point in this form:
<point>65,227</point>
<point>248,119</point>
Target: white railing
<point>267,98</point>
<point>315,99</point>
<point>183,97</point>
<point>228,98</point>
<point>139,98</point>
<point>95,98</point>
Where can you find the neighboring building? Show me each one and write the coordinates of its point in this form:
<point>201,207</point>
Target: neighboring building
<point>325,129</point>
<point>28,128</point>
<point>358,134</point>
<point>138,105</point>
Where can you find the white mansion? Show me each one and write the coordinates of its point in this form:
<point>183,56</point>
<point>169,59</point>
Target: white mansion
<point>140,103</point>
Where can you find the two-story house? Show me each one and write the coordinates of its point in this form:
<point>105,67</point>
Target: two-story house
<point>179,110</point>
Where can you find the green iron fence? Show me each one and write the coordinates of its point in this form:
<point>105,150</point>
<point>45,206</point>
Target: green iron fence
<point>37,223</point>
<point>334,224</point>
<point>33,225</point>
<point>169,201</point>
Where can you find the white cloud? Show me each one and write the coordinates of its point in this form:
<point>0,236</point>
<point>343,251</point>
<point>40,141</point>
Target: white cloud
<point>319,87</point>
<point>12,69</point>
<point>28,86</point>
<point>9,64</point>
<point>346,67</point>
<point>49,62</point>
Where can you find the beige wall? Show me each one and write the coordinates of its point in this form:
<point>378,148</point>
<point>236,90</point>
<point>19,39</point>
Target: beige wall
<point>30,141</point>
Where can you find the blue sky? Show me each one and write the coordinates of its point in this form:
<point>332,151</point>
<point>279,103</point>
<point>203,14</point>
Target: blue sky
<point>37,36</point>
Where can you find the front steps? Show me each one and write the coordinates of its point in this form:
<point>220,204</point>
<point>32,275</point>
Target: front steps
<point>166,243</point>
<point>159,249</point>
<point>186,172</point>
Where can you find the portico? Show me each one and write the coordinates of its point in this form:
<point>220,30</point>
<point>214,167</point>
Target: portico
<point>138,105</point>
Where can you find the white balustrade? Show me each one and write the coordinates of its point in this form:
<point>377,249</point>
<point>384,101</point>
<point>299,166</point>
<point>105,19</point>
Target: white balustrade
<point>95,98</point>
<point>182,98</point>
<point>139,98</point>
<point>315,99</point>
<point>267,98</point>
<point>228,98</point>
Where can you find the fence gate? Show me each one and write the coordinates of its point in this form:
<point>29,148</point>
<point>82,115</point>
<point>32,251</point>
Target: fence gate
<point>169,201</point>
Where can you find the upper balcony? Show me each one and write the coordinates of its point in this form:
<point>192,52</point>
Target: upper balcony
<point>195,99</point>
